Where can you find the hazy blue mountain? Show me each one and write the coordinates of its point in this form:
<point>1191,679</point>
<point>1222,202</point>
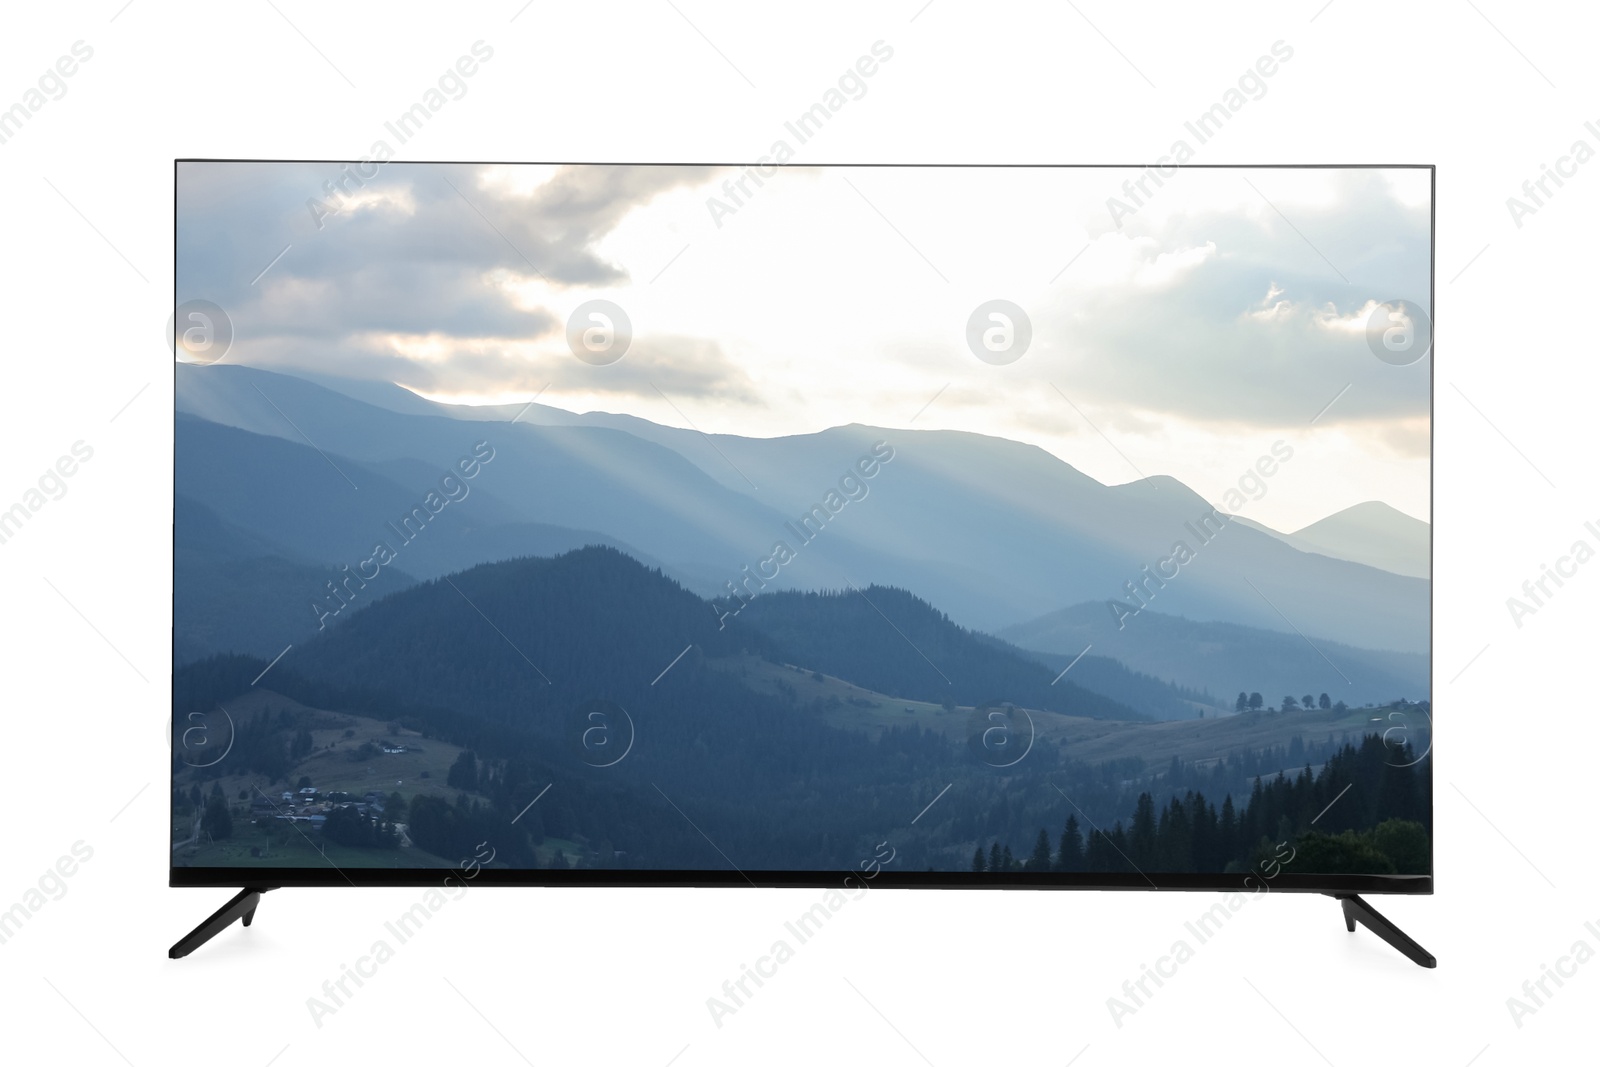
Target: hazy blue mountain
<point>889,641</point>
<point>991,530</point>
<point>1011,527</point>
<point>1372,533</point>
<point>1042,523</point>
<point>277,498</point>
<point>632,493</point>
<point>1225,658</point>
<point>237,592</point>
<point>1145,693</point>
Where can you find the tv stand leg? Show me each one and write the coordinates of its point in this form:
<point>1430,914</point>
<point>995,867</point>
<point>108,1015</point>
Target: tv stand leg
<point>242,907</point>
<point>1357,910</point>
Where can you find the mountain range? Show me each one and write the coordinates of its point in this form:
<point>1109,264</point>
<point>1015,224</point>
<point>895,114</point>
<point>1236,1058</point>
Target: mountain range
<point>991,531</point>
<point>331,495</point>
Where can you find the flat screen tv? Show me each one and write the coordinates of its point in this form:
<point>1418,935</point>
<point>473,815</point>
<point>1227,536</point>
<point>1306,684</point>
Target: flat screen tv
<point>831,526</point>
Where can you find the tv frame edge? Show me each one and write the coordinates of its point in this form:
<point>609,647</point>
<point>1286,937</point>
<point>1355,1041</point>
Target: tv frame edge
<point>1347,888</point>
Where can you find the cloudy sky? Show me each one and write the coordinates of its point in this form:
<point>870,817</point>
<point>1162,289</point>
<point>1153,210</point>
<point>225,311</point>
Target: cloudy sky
<point>1226,312</point>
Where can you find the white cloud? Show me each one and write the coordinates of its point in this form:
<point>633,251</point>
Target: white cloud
<point>835,296</point>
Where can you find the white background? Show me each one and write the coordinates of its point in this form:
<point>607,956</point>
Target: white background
<point>1489,91</point>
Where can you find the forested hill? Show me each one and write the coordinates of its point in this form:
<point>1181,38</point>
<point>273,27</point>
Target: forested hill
<point>890,641</point>
<point>503,638</point>
<point>503,659</point>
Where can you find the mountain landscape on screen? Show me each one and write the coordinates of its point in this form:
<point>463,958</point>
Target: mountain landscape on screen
<point>751,599</point>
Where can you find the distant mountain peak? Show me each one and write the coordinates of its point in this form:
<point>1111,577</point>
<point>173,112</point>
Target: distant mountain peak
<point>1373,533</point>
<point>1371,513</point>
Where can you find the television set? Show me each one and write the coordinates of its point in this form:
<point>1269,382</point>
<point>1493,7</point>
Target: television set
<point>1053,527</point>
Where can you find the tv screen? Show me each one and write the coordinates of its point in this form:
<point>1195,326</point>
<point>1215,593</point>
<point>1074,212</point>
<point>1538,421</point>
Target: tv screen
<point>783,525</point>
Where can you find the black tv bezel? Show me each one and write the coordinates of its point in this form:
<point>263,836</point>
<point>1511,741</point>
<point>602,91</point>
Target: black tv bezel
<point>600,878</point>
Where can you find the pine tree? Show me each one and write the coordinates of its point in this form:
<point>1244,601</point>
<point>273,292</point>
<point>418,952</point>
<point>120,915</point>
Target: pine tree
<point>1175,841</point>
<point>1040,860</point>
<point>1203,817</point>
<point>1227,833</point>
<point>1119,847</point>
<point>1070,855</point>
<point>977,860</point>
<point>1142,836</point>
<point>1097,855</point>
<point>994,858</point>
